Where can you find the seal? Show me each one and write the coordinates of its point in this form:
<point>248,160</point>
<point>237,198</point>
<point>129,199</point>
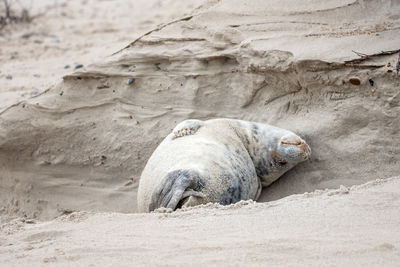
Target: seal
<point>219,160</point>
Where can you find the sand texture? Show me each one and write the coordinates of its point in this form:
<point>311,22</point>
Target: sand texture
<point>83,143</point>
<point>355,226</point>
<point>73,141</point>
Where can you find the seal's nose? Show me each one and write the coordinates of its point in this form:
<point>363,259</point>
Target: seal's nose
<point>293,140</point>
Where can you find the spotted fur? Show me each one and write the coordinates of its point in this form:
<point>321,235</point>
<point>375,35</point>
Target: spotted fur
<point>221,160</point>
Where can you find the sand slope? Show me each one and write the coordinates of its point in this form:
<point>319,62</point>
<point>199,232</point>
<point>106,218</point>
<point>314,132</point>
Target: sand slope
<point>82,144</point>
<point>346,227</point>
<point>65,34</point>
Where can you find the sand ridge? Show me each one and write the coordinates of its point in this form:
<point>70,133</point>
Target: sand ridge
<point>89,136</point>
<point>71,152</point>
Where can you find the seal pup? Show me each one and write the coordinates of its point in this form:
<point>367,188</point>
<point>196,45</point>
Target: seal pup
<point>219,160</point>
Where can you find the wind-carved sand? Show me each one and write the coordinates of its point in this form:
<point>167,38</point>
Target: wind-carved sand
<point>82,144</point>
<point>88,138</point>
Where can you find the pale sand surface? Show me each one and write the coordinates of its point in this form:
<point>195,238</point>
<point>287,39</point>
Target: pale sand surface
<point>79,144</point>
<point>83,143</point>
<point>34,56</point>
<point>355,226</point>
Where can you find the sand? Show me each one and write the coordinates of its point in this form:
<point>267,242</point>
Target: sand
<point>34,58</point>
<point>346,227</point>
<point>65,34</point>
<point>73,141</point>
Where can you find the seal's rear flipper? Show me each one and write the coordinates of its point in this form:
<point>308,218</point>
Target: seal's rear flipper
<point>187,127</point>
<point>178,188</point>
<point>190,198</point>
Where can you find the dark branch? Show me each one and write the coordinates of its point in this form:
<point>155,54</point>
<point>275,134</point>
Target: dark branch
<point>363,57</point>
<point>9,16</point>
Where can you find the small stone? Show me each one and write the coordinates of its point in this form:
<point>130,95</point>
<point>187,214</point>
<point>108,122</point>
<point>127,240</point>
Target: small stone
<point>50,259</point>
<point>35,91</point>
<point>78,66</point>
<point>62,92</point>
<point>9,77</point>
<point>103,157</point>
<point>27,35</point>
<point>371,82</point>
<point>67,66</point>
<point>131,80</point>
<point>355,81</point>
<point>389,71</point>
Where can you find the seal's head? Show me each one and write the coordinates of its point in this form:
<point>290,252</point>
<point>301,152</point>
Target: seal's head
<point>274,151</point>
<point>290,150</point>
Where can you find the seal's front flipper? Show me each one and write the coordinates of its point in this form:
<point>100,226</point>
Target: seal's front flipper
<point>178,187</point>
<point>187,127</point>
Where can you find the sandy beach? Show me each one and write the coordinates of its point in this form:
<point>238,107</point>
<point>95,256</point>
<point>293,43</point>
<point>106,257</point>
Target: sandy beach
<point>89,89</point>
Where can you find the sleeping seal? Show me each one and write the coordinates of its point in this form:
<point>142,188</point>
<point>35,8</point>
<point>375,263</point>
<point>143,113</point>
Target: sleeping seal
<point>219,160</point>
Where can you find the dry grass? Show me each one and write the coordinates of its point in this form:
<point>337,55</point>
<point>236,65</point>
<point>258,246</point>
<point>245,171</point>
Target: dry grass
<point>9,14</point>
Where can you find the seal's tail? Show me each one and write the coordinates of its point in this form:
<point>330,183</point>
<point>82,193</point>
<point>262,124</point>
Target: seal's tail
<point>177,186</point>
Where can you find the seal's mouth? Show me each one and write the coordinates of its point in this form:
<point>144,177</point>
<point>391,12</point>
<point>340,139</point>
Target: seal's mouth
<point>306,151</point>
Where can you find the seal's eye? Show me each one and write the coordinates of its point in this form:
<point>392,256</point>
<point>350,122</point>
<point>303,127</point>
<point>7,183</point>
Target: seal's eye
<point>278,160</point>
<point>282,162</point>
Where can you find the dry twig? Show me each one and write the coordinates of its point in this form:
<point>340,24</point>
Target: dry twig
<point>365,56</point>
<point>9,15</point>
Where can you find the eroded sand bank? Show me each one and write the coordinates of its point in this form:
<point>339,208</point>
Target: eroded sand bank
<point>83,143</point>
<point>80,144</point>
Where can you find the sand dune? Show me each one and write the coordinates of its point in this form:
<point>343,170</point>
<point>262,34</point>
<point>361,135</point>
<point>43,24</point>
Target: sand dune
<point>73,141</point>
<point>83,143</point>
